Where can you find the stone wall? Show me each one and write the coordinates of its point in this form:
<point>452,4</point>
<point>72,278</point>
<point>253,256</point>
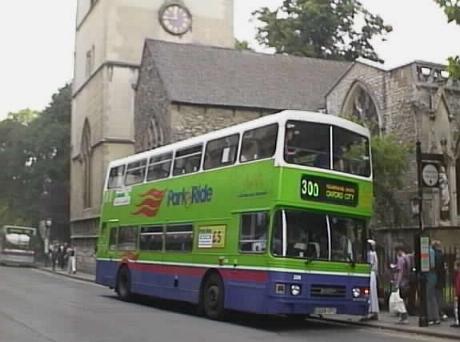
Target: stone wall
<point>151,102</point>
<point>190,120</point>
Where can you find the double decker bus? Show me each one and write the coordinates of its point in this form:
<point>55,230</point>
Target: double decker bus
<point>267,217</point>
<point>17,245</point>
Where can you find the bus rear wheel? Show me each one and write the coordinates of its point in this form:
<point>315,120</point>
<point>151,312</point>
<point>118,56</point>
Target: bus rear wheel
<point>123,287</point>
<point>213,297</point>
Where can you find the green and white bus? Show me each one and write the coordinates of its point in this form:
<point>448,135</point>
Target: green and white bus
<point>268,217</point>
<point>17,245</point>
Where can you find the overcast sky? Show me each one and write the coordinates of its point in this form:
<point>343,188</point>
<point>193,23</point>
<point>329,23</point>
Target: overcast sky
<point>37,39</point>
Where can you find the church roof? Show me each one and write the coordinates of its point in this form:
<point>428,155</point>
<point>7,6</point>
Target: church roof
<point>206,75</point>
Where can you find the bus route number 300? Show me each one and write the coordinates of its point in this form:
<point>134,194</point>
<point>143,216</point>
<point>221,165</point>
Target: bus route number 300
<point>310,188</point>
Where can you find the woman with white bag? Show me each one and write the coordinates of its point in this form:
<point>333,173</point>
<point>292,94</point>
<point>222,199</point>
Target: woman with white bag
<point>400,286</point>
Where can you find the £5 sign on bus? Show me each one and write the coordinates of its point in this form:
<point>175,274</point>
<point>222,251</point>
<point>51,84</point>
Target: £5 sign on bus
<point>320,189</point>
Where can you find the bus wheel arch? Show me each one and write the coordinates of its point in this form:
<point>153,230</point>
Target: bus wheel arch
<point>123,283</point>
<point>212,295</point>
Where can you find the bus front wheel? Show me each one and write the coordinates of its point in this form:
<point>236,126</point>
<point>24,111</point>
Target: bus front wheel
<point>123,287</point>
<point>213,297</point>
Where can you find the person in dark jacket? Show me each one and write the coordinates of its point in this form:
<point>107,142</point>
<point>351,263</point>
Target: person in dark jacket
<point>440,270</point>
<point>457,294</point>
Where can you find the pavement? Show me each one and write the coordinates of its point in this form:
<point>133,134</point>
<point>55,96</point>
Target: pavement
<point>386,321</point>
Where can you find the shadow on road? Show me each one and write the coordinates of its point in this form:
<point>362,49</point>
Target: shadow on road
<point>261,322</point>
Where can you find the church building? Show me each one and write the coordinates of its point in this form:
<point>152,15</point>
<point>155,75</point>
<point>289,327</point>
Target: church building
<point>151,72</point>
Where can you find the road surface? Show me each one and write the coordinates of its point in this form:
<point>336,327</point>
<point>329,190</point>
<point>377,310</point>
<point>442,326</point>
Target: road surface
<point>37,306</point>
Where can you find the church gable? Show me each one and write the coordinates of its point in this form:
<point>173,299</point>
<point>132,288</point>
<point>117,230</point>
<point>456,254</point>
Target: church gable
<point>151,116</point>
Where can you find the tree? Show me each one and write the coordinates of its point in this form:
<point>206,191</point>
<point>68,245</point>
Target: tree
<point>452,10</point>
<point>390,164</point>
<point>35,154</point>
<point>330,29</point>
<point>389,167</point>
<point>13,175</point>
<point>49,143</point>
<point>242,45</point>
<point>24,116</point>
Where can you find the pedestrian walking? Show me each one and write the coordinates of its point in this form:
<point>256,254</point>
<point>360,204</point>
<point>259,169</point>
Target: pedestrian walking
<point>457,294</point>
<point>61,257</point>
<point>373,261</point>
<point>413,285</point>
<point>72,260</point>
<point>54,256</point>
<point>431,282</point>
<point>401,280</point>
<point>440,270</point>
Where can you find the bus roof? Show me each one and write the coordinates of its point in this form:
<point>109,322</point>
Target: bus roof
<point>280,117</point>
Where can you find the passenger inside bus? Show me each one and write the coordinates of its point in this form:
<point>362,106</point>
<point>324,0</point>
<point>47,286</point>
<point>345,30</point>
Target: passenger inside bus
<point>250,150</point>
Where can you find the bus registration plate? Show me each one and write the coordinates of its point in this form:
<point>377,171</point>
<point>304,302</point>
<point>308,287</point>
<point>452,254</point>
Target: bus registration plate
<point>325,311</point>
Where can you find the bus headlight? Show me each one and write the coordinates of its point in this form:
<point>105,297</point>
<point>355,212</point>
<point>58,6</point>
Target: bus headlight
<point>296,289</point>
<point>356,292</point>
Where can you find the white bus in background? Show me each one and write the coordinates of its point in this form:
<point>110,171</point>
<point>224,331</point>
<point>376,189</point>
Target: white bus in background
<point>17,245</point>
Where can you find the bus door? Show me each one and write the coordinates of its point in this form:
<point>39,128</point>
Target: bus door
<point>107,250</point>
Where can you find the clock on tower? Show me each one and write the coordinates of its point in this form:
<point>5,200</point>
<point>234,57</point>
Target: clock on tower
<point>175,18</point>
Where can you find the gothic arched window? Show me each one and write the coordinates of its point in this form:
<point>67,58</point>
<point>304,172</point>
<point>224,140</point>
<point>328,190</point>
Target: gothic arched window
<point>86,156</point>
<point>360,105</point>
<point>154,136</point>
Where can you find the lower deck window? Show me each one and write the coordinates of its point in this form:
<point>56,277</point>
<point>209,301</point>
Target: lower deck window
<point>179,238</point>
<point>253,232</point>
<point>151,238</point>
<point>127,238</point>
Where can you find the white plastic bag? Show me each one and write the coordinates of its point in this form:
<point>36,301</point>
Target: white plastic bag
<point>396,303</point>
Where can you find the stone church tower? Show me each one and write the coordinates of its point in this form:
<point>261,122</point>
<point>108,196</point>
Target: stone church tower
<point>110,36</point>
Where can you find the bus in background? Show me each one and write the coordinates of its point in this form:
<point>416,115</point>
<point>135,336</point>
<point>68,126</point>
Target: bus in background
<point>268,217</point>
<point>17,245</point>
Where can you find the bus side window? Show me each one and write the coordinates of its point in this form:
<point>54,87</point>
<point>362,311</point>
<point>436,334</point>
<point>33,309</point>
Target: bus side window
<point>253,232</point>
<point>259,143</point>
<point>116,177</point>
<point>151,238</point>
<point>127,239</point>
<point>113,238</point>
<point>179,238</point>
<point>221,152</point>
<point>135,172</point>
<point>187,160</point>
<point>159,167</point>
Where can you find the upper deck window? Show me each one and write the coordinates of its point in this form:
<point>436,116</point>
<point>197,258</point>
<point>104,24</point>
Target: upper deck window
<point>307,144</point>
<point>351,152</point>
<point>135,172</point>
<point>159,167</point>
<point>259,143</point>
<point>221,152</point>
<point>187,160</point>
<point>116,176</point>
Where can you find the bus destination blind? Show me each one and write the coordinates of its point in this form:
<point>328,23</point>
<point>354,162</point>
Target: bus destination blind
<point>319,189</point>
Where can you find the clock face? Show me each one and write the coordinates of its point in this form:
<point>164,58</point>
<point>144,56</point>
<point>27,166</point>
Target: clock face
<point>176,19</point>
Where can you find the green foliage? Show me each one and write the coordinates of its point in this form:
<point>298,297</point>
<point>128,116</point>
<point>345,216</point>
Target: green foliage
<point>242,45</point>
<point>389,167</point>
<point>24,116</point>
<point>34,154</point>
<point>454,67</point>
<point>452,10</point>
<point>330,29</point>
<point>390,164</point>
